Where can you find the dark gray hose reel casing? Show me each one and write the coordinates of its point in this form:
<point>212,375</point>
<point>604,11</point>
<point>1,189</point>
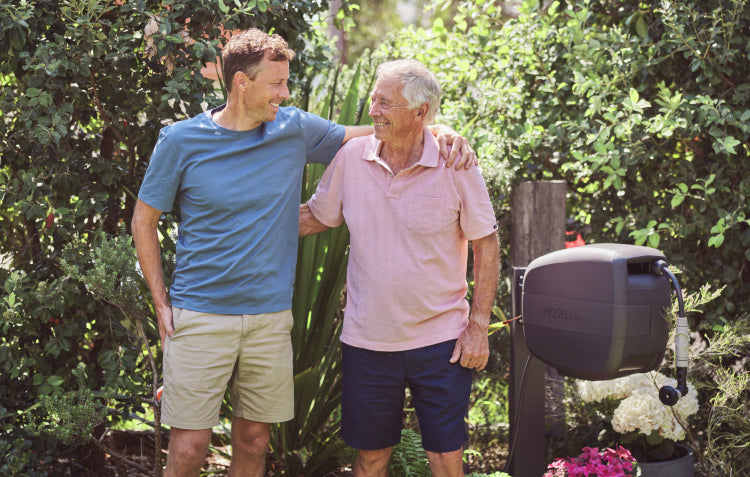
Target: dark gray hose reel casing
<point>598,311</point>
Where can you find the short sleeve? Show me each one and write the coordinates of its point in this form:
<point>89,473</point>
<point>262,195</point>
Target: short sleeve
<point>328,201</point>
<point>477,217</point>
<point>323,137</point>
<point>162,179</point>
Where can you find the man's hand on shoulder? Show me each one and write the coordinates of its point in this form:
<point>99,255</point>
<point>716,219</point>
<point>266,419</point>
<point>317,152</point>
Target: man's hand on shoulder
<point>461,152</point>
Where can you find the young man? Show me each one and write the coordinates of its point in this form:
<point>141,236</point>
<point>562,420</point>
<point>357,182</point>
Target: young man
<point>236,172</point>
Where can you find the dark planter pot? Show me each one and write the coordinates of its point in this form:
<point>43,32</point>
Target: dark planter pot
<point>681,466</point>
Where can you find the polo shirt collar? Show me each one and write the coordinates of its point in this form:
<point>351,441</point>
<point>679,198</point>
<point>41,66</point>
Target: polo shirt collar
<point>430,153</point>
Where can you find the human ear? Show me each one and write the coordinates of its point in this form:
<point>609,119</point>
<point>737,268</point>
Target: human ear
<point>240,79</point>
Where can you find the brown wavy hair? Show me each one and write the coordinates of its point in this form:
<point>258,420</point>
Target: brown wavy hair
<point>244,51</point>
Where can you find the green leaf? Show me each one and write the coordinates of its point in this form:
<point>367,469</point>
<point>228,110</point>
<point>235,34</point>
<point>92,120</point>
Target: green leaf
<point>677,200</point>
<point>349,107</point>
<point>653,240</point>
<point>716,241</point>
<point>641,27</point>
<point>55,380</point>
<point>633,96</point>
<point>728,144</point>
<point>618,228</point>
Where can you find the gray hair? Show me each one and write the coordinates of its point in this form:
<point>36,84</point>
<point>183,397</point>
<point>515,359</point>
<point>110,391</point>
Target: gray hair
<point>420,84</point>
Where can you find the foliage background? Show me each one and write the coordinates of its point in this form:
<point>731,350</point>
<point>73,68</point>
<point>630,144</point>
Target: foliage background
<point>641,107</point>
<point>84,94</point>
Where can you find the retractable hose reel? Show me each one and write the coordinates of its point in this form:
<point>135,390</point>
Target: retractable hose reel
<point>597,312</point>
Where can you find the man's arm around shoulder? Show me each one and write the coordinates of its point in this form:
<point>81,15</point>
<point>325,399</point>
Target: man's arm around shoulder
<point>308,224</point>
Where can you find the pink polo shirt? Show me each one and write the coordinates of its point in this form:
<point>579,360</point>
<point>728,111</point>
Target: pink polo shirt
<point>406,278</point>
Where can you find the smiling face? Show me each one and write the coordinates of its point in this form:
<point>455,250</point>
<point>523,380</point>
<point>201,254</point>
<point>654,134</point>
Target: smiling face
<point>394,121</point>
<point>262,96</point>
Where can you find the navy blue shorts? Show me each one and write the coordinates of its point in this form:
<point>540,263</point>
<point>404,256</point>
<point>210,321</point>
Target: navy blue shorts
<point>373,393</point>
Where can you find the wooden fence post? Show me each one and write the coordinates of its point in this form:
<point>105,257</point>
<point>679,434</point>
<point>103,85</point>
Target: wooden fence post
<point>537,228</point>
<point>538,220</point>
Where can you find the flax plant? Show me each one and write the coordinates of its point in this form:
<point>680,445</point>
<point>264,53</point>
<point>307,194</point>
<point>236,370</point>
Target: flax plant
<point>311,441</point>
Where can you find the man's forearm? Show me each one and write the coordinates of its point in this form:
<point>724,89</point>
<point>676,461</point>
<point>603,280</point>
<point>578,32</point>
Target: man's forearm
<point>486,275</point>
<point>351,132</point>
<point>146,238</point>
<point>308,224</point>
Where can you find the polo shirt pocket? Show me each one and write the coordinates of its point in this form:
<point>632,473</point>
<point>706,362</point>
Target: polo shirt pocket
<point>427,215</point>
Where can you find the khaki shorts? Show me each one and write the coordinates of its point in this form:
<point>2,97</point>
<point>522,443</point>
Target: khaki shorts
<point>252,353</point>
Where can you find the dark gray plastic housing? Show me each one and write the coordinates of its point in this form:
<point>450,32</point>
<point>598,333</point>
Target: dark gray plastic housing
<point>597,311</point>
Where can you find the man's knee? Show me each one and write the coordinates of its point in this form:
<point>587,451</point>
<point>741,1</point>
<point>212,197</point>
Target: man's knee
<point>253,444</point>
<point>446,464</point>
<point>187,451</point>
<point>372,462</point>
<point>249,436</point>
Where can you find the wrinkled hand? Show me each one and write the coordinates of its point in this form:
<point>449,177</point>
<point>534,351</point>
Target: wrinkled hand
<point>461,152</point>
<point>472,347</point>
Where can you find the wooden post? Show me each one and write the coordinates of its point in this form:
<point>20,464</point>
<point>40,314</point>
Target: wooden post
<point>537,228</point>
<point>538,220</point>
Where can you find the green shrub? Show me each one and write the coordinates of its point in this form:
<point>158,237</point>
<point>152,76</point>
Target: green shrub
<point>721,370</point>
<point>642,110</point>
<point>70,417</point>
<point>83,93</point>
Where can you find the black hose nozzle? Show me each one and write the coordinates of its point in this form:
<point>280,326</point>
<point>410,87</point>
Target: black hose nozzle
<point>669,395</point>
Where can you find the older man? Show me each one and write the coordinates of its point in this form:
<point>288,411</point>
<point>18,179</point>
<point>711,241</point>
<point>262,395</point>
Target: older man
<point>407,320</point>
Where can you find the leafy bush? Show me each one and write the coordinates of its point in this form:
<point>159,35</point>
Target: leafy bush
<point>642,111</point>
<point>84,91</point>
<point>722,369</point>
<point>70,417</point>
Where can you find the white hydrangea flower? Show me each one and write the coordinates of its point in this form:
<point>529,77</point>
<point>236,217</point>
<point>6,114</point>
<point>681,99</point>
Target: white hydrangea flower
<point>640,409</point>
<point>619,388</point>
<point>640,412</point>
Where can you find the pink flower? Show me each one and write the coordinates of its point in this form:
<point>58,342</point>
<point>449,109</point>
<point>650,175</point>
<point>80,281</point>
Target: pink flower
<point>607,463</point>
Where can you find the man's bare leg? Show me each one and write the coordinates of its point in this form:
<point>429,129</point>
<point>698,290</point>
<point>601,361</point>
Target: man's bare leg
<point>249,447</point>
<point>446,464</point>
<point>187,452</point>
<point>372,463</point>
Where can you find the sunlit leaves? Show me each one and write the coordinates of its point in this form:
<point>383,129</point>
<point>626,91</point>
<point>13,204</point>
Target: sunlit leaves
<point>83,94</point>
<point>645,113</point>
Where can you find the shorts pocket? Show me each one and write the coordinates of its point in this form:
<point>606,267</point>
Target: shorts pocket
<point>427,215</point>
<point>288,320</point>
<point>176,312</point>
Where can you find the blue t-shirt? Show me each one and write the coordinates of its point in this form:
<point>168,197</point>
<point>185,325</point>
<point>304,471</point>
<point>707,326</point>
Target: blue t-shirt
<point>239,195</point>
